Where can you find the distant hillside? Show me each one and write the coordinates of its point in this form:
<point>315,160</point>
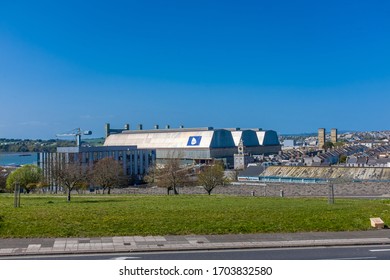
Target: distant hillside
<point>306,134</point>
<point>28,145</point>
<point>94,142</point>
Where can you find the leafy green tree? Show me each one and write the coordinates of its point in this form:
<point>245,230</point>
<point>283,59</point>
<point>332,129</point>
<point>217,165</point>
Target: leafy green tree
<point>343,159</point>
<point>211,177</point>
<point>3,179</point>
<point>28,177</point>
<point>339,144</point>
<point>328,145</point>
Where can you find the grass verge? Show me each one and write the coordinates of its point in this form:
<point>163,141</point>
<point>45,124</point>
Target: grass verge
<point>52,216</point>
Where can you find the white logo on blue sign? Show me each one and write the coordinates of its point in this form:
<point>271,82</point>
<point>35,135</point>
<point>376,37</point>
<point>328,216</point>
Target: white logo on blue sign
<point>194,140</point>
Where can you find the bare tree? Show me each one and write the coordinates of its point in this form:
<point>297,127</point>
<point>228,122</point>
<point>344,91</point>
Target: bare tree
<point>107,173</point>
<point>212,176</point>
<point>170,175</point>
<point>70,176</point>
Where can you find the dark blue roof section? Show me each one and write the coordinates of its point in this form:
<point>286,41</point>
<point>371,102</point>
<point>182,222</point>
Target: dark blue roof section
<point>271,138</point>
<point>222,139</point>
<point>249,137</point>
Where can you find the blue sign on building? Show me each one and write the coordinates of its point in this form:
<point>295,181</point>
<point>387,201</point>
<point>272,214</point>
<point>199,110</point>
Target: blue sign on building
<point>194,140</point>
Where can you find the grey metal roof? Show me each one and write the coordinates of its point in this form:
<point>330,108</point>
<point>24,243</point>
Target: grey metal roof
<point>192,138</point>
<point>252,171</point>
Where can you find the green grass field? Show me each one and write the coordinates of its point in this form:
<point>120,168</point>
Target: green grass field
<point>90,216</point>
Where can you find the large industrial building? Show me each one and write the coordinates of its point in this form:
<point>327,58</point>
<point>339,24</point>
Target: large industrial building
<point>135,162</point>
<point>195,145</point>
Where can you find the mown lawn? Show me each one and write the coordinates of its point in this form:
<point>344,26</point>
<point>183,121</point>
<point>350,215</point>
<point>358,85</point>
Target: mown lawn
<point>52,216</point>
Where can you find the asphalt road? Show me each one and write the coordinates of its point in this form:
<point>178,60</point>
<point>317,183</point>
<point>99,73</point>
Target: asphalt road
<point>305,253</point>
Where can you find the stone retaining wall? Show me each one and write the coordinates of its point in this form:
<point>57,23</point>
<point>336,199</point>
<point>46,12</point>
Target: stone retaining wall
<point>275,189</point>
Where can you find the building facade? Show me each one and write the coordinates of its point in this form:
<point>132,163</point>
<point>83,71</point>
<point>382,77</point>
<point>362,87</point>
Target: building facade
<point>198,145</point>
<point>135,162</point>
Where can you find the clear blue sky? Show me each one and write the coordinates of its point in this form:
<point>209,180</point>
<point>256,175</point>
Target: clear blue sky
<point>290,66</point>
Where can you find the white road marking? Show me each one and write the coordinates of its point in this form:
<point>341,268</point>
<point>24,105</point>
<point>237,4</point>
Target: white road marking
<point>379,250</point>
<point>357,258</point>
<point>125,258</point>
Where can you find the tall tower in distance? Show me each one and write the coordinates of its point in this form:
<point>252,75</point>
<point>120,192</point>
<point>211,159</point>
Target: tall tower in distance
<point>241,159</point>
<point>321,137</point>
<point>333,135</point>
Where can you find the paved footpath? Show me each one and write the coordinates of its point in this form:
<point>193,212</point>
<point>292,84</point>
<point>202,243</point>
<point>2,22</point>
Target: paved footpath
<point>41,246</point>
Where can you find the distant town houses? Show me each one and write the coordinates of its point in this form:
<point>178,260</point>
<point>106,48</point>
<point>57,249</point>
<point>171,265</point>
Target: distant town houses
<point>333,156</point>
<point>355,149</point>
<point>350,156</point>
<point>370,139</point>
<point>376,157</point>
<point>356,156</point>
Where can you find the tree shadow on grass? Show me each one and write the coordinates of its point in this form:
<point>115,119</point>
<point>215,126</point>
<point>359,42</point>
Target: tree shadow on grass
<point>1,221</point>
<point>97,201</point>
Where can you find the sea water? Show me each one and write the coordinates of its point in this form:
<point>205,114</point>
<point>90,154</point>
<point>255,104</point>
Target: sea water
<point>17,159</point>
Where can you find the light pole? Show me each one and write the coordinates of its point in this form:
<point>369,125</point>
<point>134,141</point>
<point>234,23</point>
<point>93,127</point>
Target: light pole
<point>331,186</point>
<point>331,194</point>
